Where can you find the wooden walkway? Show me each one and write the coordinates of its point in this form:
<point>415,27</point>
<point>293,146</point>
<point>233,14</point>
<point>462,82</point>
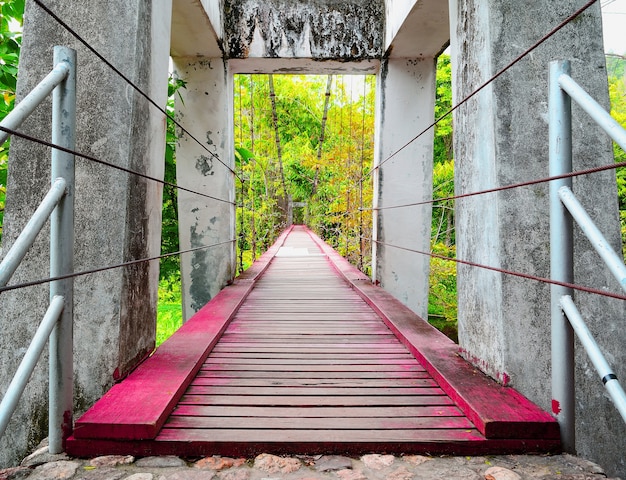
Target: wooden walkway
<point>309,357</point>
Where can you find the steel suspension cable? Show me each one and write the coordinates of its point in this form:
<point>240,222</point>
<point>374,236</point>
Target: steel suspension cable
<point>279,152</point>
<point>329,83</point>
<point>588,171</point>
<point>508,272</point>
<point>501,72</point>
<point>362,160</point>
<point>241,223</point>
<point>129,82</point>
<point>111,267</point>
<point>253,159</point>
<point>351,212</point>
<point>91,158</point>
<point>342,153</point>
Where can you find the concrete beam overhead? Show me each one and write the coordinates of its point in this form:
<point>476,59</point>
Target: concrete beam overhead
<point>422,32</point>
<point>323,30</point>
<point>196,29</point>
<point>304,66</point>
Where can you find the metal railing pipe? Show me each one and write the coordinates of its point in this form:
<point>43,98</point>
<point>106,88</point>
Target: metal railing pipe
<point>27,365</point>
<point>594,109</point>
<point>26,239</point>
<point>578,212</point>
<point>561,257</point>
<point>62,256</point>
<point>37,95</point>
<point>607,375</point>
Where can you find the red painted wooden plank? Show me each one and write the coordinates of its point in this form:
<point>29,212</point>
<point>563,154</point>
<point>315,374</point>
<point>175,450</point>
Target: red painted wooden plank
<point>137,407</point>
<point>309,382</point>
<point>354,356</point>
<point>283,391</point>
<point>302,423</point>
<point>313,412</point>
<point>363,339</point>
<point>282,331</point>
<point>287,317</point>
<point>313,401</point>
<point>289,322</point>
<point>301,327</point>
<point>253,435</point>
<point>317,344</point>
<point>82,448</point>
<point>497,411</point>
<point>312,375</point>
<point>314,368</point>
<point>306,361</point>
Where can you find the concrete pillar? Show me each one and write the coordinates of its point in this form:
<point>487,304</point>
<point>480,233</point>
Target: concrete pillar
<point>117,216</point>
<point>501,137</point>
<point>206,112</point>
<point>405,107</point>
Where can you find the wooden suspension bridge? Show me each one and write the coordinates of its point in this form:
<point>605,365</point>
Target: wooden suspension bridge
<point>302,354</point>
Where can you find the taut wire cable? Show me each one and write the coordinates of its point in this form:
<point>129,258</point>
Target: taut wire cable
<point>526,276</point>
<point>129,82</point>
<point>515,61</point>
<point>108,164</point>
<point>110,267</point>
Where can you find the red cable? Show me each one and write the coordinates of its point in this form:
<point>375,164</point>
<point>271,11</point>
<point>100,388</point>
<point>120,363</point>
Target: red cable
<point>510,272</point>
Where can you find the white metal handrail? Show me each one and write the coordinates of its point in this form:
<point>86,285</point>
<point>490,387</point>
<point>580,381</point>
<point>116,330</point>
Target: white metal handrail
<point>58,205</point>
<point>564,210</point>
<point>36,96</point>
<point>31,357</point>
<point>25,240</point>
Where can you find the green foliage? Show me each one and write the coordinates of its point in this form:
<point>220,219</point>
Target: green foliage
<point>443,283</point>
<point>616,68</point>
<point>442,302</point>
<point>169,309</point>
<point>443,104</point>
<point>442,228</point>
<point>170,266</point>
<point>11,14</point>
<point>442,296</point>
<point>323,176</point>
<point>10,43</point>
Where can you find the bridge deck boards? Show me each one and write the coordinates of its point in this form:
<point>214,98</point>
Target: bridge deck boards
<point>307,364</point>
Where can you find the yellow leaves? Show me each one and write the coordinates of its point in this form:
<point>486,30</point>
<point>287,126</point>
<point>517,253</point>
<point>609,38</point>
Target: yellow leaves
<point>8,97</point>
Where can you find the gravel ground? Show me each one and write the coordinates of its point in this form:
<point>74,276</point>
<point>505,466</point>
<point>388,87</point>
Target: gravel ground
<point>42,466</point>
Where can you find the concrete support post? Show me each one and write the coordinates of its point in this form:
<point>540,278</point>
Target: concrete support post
<point>117,217</point>
<point>206,113</point>
<point>501,138</point>
<point>405,107</point>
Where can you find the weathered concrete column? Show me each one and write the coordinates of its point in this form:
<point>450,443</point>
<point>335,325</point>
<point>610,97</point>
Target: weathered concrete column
<point>205,112</point>
<point>405,107</point>
<point>501,138</point>
<point>118,217</point>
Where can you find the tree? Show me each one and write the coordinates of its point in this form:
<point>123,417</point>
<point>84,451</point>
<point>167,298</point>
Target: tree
<point>442,297</point>
<point>616,68</point>
<point>170,266</point>
<point>443,103</point>
<point>284,126</point>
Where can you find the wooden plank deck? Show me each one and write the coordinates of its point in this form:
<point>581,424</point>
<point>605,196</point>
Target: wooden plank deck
<point>307,361</point>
